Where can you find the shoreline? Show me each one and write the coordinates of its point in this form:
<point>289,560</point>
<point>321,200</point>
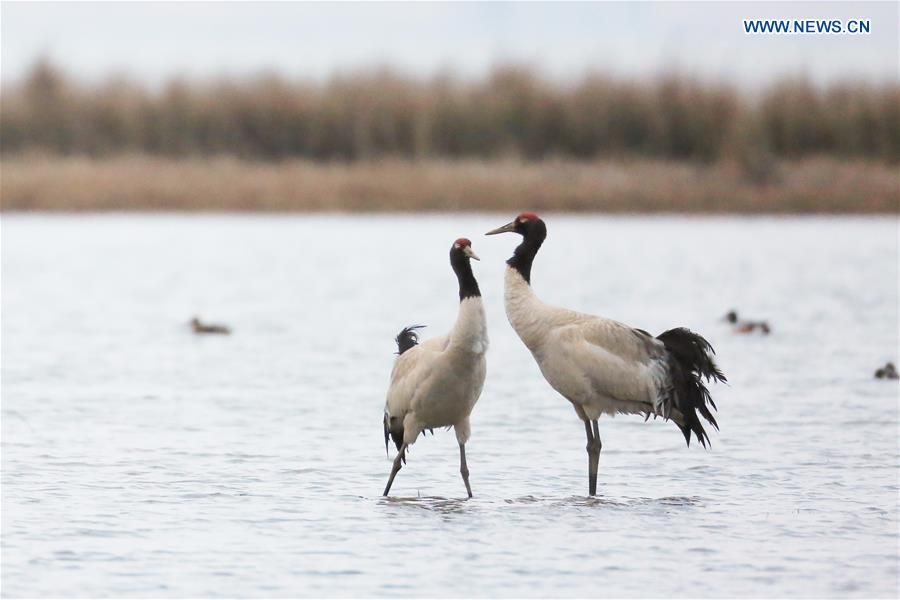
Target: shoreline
<point>150,184</point>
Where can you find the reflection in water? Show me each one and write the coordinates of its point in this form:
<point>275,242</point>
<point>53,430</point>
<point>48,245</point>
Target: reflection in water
<point>436,504</point>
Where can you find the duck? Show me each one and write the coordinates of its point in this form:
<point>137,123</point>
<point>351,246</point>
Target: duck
<point>201,328</point>
<point>739,326</point>
<point>888,371</point>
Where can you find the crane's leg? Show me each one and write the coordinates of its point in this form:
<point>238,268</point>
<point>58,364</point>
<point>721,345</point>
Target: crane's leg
<point>398,460</point>
<point>598,446</point>
<point>592,428</point>
<point>464,468</point>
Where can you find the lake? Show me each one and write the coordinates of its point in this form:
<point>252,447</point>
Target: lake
<point>141,460</point>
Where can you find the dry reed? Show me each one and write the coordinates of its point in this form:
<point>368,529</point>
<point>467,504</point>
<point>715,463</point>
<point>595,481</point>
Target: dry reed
<point>146,183</point>
<point>512,112</point>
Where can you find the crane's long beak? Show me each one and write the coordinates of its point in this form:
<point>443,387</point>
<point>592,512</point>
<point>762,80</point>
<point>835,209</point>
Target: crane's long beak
<point>468,252</point>
<point>511,226</point>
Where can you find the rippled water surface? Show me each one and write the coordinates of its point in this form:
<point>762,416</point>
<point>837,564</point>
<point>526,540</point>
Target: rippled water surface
<point>141,460</point>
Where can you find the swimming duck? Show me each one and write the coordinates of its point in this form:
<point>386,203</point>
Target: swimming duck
<point>200,328</point>
<point>888,371</point>
<point>747,326</point>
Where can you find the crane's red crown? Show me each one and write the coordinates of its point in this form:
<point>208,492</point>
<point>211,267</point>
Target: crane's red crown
<point>527,216</point>
<point>462,242</point>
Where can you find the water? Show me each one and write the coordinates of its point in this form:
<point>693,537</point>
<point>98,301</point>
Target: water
<point>140,460</point>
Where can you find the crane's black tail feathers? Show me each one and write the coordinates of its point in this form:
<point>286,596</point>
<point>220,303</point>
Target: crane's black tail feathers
<point>393,430</point>
<point>393,427</point>
<point>407,338</point>
<point>690,363</point>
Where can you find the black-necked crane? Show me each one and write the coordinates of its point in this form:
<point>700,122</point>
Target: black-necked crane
<point>602,366</point>
<point>742,326</point>
<point>437,383</point>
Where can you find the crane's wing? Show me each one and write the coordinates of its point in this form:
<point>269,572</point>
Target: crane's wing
<point>412,369</point>
<point>618,362</point>
<point>630,344</point>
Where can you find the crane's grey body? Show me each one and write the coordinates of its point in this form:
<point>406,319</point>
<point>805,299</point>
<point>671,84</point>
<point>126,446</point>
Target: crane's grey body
<point>438,382</point>
<point>599,365</point>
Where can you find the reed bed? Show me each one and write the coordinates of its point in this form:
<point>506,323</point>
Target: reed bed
<point>152,183</point>
<point>512,112</point>
<point>381,141</point>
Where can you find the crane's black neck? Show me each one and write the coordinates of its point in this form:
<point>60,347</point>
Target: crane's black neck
<point>468,286</point>
<point>533,236</point>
